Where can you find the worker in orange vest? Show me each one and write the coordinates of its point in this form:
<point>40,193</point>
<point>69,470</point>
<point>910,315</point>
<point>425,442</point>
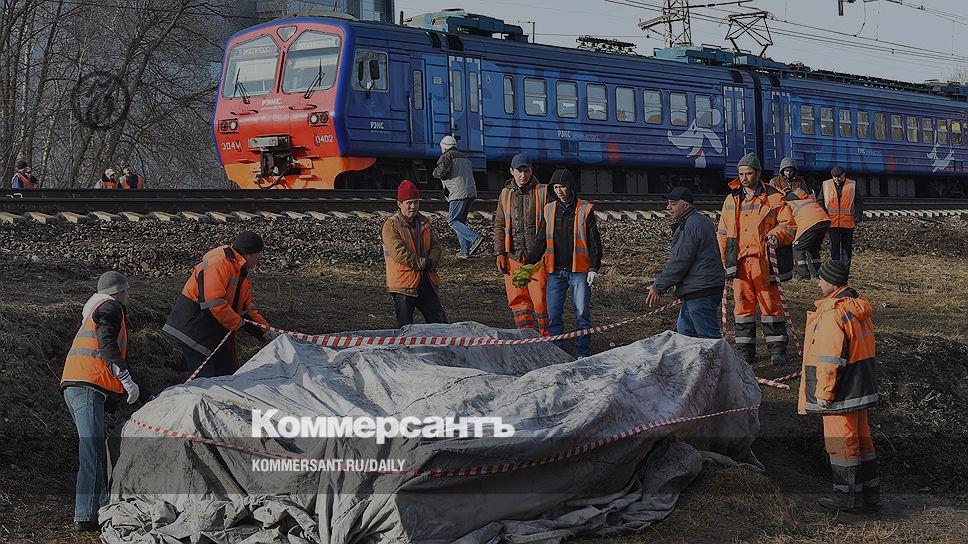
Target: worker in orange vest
<point>753,215</point>
<point>516,233</point>
<point>217,300</point>
<point>96,374</point>
<point>108,180</point>
<point>838,383</point>
<point>843,205</point>
<point>412,256</point>
<point>22,178</point>
<point>571,256</point>
<point>812,221</point>
<point>130,180</point>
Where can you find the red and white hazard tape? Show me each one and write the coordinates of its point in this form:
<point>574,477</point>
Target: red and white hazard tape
<point>471,471</point>
<point>201,366</point>
<point>788,376</point>
<point>775,268</point>
<point>772,383</point>
<point>338,341</point>
<point>725,304</point>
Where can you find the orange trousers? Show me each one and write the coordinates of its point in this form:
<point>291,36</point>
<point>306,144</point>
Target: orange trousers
<point>853,462</point>
<point>528,304</point>
<point>748,293</point>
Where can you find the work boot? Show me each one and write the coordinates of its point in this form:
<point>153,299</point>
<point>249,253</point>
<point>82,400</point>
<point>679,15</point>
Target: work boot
<point>837,503</point>
<point>86,527</point>
<point>748,355</point>
<point>872,499</point>
<point>777,359</point>
<point>475,245</point>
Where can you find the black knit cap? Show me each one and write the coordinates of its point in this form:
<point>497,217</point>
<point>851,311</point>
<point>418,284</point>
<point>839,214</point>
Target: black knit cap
<point>834,272</point>
<point>562,177</point>
<point>837,170</point>
<point>21,164</point>
<point>247,243</point>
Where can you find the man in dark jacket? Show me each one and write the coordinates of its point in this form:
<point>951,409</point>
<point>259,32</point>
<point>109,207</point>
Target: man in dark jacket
<point>456,175</point>
<point>571,256</point>
<point>695,268</point>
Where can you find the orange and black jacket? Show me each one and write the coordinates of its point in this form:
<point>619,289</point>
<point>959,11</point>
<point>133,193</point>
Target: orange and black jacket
<point>838,355</point>
<point>215,299</point>
<point>773,217</point>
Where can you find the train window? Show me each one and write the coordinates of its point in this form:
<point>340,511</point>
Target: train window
<point>678,109</point>
<point>897,128</point>
<point>846,123</point>
<point>704,111</point>
<point>863,124</point>
<point>740,114</point>
<point>535,96</point>
<point>418,97</point>
<point>363,75</point>
<point>943,131</point>
<point>653,107</point>
<point>597,102</point>
<point>808,121</point>
<point>251,69</point>
<point>508,95</point>
<point>625,104</point>
<point>473,89</point>
<point>880,126</point>
<point>927,130</point>
<point>912,129</point>
<point>955,132</point>
<point>311,62</point>
<point>826,121</point>
<point>457,90</point>
<point>566,96</point>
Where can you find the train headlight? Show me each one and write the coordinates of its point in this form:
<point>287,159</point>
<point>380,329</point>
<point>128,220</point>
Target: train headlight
<point>318,118</point>
<point>228,126</point>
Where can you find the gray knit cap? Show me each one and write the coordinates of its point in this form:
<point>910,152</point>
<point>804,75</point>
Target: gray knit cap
<point>752,161</point>
<point>112,283</point>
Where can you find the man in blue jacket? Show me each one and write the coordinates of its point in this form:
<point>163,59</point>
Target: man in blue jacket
<point>695,268</point>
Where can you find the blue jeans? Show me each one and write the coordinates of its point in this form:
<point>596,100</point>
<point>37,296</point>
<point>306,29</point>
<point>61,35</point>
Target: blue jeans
<point>457,219</point>
<point>581,295</point>
<point>701,318</point>
<point>87,410</point>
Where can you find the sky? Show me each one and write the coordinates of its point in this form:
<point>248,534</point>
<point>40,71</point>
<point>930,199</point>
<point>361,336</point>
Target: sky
<point>929,30</point>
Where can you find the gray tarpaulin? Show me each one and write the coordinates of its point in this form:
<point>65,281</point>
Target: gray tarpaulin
<point>169,490</point>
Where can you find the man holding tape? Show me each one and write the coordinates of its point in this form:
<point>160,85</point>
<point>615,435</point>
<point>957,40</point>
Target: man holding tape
<point>96,374</point>
<point>695,268</point>
<point>216,300</point>
<point>838,383</point>
<point>754,216</point>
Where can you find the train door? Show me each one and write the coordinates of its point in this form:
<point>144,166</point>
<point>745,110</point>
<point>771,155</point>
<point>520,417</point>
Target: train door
<point>437,89</point>
<point>782,126</point>
<point>465,103</point>
<point>734,103</point>
<point>417,97</point>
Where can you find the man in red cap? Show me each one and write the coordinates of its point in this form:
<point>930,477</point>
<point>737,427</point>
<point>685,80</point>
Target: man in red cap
<point>412,255</point>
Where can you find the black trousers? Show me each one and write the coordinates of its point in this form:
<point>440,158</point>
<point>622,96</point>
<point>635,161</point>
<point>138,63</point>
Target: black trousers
<point>806,251</point>
<point>426,301</point>
<point>224,362</point>
<point>841,245</point>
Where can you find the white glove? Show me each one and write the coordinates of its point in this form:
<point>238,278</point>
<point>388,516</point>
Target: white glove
<point>129,386</point>
<point>771,240</point>
<point>590,279</point>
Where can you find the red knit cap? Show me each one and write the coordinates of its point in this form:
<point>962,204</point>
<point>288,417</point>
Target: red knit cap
<point>407,191</point>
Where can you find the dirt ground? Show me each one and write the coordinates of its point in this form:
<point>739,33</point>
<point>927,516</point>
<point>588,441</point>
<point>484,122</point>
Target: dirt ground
<point>328,276</point>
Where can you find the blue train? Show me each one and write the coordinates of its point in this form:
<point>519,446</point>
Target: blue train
<point>333,103</point>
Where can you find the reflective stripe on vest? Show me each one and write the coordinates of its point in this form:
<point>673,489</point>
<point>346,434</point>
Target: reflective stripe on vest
<point>580,260</point>
<point>540,200</point>
<point>400,276</point>
<point>84,362</point>
<point>840,210</point>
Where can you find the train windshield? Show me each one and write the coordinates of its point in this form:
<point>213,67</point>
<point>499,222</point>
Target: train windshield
<point>251,68</point>
<point>311,63</point>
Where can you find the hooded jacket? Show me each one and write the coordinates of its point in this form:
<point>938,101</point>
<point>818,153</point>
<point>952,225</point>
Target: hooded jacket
<point>807,213</point>
<point>695,265</point>
<point>839,355</point>
<point>456,175</point>
<point>564,229</point>
<point>772,216</point>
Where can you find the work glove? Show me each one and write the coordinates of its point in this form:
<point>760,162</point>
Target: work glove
<point>590,279</point>
<point>772,240</point>
<point>823,403</point>
<point>129,386</point>
<point>502,263</point>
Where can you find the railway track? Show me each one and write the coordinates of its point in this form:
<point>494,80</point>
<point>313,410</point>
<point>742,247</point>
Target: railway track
<point>76,204</point>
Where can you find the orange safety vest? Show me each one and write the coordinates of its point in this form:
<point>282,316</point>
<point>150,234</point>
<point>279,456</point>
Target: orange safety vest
<point>839,355</point>
<point>540,198</point>
<point>840,210</point>
<point>399,275</point>
<point>580,260</point>
<point>109,184</point>
<point>770,215</point>
<point>27,181</point>
<point>806,211</point>
<point>138,184</point>
<point>84,363</point>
